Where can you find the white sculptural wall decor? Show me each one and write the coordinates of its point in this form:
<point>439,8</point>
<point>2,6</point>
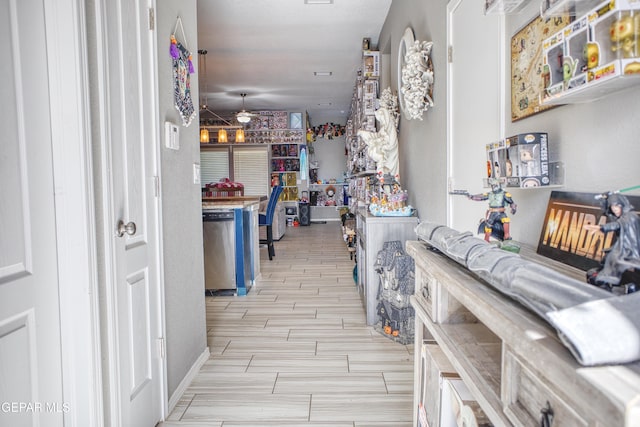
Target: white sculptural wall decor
<point>415,76</point>
<point>382,146</point>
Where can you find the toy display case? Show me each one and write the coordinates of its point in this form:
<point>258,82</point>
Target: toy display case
<point>520,161</point>
<point>371,63</point>
<point>503,7</point>
<point>600,49</point>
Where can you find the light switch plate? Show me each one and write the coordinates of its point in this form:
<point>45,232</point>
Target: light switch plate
<point>171,136</point>
<point>196,173</point>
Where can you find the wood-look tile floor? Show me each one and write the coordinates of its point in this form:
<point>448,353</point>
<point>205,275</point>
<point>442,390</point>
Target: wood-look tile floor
<point>296,351</point>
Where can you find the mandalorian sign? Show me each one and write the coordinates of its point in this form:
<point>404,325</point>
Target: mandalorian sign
<point>563,236</point>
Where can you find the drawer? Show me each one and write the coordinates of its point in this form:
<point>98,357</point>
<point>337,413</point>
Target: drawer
<point>526,397</point>
<point>434,369</point>
<point>426,289</point>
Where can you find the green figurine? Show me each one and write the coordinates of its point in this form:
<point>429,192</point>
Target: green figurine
<point>496,222</point>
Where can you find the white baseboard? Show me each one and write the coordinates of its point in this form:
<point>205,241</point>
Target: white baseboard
<point>182,387</point>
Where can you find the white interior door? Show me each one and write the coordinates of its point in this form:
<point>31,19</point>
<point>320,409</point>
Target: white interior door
<point>475,116</point>
<point>134,315</point>
<point>30,341</point>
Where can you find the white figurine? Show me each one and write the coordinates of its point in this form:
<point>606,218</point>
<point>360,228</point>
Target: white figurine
<point>382,146</point>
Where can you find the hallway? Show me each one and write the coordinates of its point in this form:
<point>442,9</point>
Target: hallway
<point>296,350</point>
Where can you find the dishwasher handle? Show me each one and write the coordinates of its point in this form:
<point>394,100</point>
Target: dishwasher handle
<point>217,216</point>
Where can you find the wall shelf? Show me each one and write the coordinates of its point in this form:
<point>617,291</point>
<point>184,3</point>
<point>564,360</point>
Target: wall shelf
<point>550,8</point>
<point>594,90</point>
<point>594,56</point>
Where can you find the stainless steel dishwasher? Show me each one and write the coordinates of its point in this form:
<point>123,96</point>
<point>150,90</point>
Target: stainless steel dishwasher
<point>219,249</point>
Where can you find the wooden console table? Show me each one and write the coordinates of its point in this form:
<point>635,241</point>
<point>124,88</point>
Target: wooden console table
<point>511,360</point>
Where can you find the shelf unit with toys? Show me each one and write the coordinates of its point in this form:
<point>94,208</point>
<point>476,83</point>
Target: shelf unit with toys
<point>285,148</point>
<point>360,166</point>
<point>522,161</point>
<point>594,56</point>
<point>362,117</point>
<point>327,199</point>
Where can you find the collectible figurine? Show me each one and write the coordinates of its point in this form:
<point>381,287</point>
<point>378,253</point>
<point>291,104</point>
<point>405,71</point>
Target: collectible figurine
<point>632,68</point>
<point>496,170</point>
<point>591,55</point>
<point>621,263</point>
<point>508,167</point>
<point>496,222</point>
<point>382,146</point>
<point>625,33</point>
<point>331,192</point>
<point>569,67</point>
<point>529,166</point>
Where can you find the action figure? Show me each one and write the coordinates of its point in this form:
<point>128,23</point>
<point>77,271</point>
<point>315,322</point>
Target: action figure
<point>624,33</point>
<point>529,165</point>
<point>496,221</point>
<point>331,191</point>
<point>621,263</point>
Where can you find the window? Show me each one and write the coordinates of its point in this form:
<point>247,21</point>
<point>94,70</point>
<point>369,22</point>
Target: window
<point>214,165</point>
<point>251,168</point>
<point>248,165</point>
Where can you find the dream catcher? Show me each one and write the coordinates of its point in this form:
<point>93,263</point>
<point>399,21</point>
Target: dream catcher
<point>182,70</point>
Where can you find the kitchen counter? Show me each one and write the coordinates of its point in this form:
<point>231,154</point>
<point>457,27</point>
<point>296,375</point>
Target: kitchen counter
<point>245,237</point>
<point>231,202</point>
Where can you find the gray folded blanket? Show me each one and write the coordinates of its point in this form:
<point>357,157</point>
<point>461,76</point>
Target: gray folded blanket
<point>603,331</point>
<point>597,327</point>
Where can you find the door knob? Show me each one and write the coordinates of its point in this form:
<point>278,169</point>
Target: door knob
<point>123,228</point>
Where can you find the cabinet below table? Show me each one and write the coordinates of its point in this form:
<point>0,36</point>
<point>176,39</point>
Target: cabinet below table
<point>372,231</point>
<point>511,360</point>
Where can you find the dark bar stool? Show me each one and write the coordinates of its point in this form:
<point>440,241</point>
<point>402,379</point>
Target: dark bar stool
<point>266,219</point>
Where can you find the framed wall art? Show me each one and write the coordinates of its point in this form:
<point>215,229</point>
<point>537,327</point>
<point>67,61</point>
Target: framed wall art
<point>527,80</point>
<point>295,120</point>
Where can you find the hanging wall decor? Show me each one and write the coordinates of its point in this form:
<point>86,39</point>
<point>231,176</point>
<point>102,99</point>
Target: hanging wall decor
<point>527,71</point>
<point>182,70</point>
<point>328,131</point>
<point>415,75</point>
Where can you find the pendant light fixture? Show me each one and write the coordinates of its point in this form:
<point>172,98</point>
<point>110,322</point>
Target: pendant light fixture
<point>204,135</point>
<point>239,135</point>
<point>222,136</point>
<point>202,64</point>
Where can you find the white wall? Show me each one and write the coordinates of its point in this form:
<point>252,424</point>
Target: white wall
<point>331,157</point>
<point>181,206</point>
<point>597,141</point>
<point>421,144</point>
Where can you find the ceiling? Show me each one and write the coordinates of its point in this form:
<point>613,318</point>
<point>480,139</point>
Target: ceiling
<point>270,49</point>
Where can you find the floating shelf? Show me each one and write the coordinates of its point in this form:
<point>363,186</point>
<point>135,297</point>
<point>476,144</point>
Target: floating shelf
<point>593,90</point>
<point>504,7</point>
<point>549,8</point>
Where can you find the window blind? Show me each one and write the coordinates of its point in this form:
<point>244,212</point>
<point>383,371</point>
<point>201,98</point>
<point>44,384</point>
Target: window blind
<point>214,165</point>
<point>251,168</point>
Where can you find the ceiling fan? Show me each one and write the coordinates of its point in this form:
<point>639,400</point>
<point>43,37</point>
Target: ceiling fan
<point>244,116</point>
